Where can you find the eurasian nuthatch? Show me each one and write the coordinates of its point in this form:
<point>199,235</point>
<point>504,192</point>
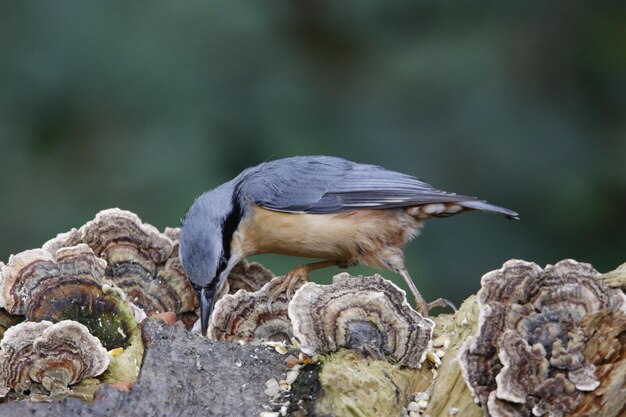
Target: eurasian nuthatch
<point>315,207</point>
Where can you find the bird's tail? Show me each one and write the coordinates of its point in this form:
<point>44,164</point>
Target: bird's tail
<point>489,208</point>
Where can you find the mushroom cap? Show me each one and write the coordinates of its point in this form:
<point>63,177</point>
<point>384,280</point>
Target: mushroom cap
<point>104,310</point>
<point>142,261</point>
<point>528,353</point>
<point>368,314</point>
<point>246,316</point>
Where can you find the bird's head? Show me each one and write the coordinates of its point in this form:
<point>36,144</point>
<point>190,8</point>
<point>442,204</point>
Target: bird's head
<point>206,232</point>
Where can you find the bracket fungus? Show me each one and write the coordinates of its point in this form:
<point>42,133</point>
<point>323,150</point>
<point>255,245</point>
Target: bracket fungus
<point>368,314</point>
<point>29,274</point>
<point>140,260</point>
<point>67,285</point>
<point>53,355</point>
<point>248,317</point>
<point>247,276</point>
<point>528,354</point>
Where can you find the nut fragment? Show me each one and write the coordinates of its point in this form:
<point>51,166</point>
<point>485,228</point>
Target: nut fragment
<point>369,314</point>
<point>528,354</point>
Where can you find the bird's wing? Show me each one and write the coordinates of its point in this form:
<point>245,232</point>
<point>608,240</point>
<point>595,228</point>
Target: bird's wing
<point>323,185</point>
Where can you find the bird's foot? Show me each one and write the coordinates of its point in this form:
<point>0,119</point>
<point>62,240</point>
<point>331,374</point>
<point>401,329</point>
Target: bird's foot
<point>441,302</point>
<point>291,282</point>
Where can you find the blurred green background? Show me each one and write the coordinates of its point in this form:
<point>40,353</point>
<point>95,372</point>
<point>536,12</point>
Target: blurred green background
<point>143,105</point>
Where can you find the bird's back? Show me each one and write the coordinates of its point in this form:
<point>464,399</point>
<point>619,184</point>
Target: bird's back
<point>324,184</point>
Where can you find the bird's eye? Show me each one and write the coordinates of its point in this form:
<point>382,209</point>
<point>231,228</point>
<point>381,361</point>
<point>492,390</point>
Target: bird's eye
<point>222,264</point>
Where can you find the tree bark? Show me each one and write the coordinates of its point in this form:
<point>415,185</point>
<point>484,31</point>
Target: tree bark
<point>182,375</point>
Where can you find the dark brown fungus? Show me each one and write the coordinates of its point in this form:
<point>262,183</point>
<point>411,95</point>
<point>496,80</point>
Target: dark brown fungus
<point>247,316</point>
<point>368,314</point>
<point>103,309</point>
<point>528,354</point>
<point>54,355</point>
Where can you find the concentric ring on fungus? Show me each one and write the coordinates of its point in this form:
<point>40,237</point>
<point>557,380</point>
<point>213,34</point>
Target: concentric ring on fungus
<point>368,314</point>
<point>247,316</point>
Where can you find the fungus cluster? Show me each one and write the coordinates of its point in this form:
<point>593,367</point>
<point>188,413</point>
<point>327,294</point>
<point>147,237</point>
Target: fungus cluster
<point>140,260</point>
<point>66,285</point>
<point>538,351</point>
<point>54,356</point>
<point>528,356</point>
<point>366,314</point>
<point>107,276</point>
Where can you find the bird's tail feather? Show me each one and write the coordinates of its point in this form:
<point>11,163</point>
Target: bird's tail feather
<point>489,208</point>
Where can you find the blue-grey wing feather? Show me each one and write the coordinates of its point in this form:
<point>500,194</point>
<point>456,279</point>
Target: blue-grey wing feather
<point>322,185</point>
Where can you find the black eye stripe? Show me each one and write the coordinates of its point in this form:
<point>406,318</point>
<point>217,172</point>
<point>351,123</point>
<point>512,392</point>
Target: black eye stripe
<point>222,265</point>
<point>231,223</point>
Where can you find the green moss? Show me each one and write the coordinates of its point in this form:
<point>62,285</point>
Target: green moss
<point>125,366</point>
<point>356,386</point>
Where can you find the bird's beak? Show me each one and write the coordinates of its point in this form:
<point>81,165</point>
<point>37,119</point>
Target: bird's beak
<point>207,300</point>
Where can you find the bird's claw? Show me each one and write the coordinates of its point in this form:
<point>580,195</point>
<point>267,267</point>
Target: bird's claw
<point>441,302</point>
<point>287,287</point>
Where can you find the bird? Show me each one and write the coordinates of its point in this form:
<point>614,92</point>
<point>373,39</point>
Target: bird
<point>324,207</point>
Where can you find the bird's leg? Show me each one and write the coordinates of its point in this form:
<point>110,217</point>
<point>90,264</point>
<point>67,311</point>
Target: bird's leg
<point>293,278</point>
<point>421,306</point>
<point>301,273</point>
